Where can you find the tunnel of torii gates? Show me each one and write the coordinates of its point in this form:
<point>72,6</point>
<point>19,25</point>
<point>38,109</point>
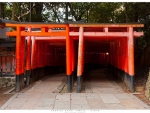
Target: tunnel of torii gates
<point>74,45</point>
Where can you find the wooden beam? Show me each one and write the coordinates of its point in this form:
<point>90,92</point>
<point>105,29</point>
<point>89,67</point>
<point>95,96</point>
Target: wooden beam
<point>51,38</point>
<point>106,34</point>
<point>23,33</point>
<point>106,25</point>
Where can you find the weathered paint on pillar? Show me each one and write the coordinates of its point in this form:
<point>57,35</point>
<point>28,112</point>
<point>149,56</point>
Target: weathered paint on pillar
<point>80,53</point>
<point>130,52</point>
<point>130,42</point>
<point>80,61</point>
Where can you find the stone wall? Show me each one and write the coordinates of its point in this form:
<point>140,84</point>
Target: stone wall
<point>7,81</point>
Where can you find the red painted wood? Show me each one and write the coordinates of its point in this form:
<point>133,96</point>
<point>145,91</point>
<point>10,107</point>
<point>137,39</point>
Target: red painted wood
<point>119,37</point>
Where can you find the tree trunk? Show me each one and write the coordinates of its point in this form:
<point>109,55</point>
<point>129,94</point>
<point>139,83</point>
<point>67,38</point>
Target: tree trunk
<point>14,11</point>
<point>87,16</point>
<point>125,11</point>
<point>135,20</point>
<point>55,13</point>
<point>66,11</point>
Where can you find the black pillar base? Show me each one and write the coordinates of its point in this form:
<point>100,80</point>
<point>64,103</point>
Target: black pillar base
<point>21,81</point>
<point>32,75</point>
<point>79,84</point>
<point>132,83</point>
<point>128,80</point>
<point>27,77</point>
<point>17,86</point>
<point>119,74</point>
<point>69,83</point>
<point>73,78</point>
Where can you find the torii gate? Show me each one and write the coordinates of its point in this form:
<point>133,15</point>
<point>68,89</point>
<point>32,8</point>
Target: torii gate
<point>119,36</point>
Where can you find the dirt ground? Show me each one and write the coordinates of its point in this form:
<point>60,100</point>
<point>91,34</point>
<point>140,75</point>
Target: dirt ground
<point>140,95</point>
<point>4,97</point>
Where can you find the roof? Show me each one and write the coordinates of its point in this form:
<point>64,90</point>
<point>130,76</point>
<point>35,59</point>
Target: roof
<point>3,33</point>
<point>3,22</point>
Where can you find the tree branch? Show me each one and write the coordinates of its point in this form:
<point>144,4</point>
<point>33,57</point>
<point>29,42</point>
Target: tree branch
<point>55,13</point>
<point>18,17</point>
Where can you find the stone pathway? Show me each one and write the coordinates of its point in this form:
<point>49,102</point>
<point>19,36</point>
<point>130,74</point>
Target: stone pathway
<point>99,93</point>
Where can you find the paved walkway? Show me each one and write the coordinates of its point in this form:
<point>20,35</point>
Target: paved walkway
<point>100,93</point>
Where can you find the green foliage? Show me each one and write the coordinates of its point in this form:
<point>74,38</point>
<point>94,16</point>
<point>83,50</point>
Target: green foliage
<point>103,12</point>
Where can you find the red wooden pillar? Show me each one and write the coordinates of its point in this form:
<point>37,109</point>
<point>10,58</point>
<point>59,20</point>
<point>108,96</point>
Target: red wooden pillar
<point>46,54</point>
<point>40,59</point>
<point>124,59</point>
<point>56,56</point>
<point>53,55</point>
<point>72,62</point>
<point>80,60</point>
<point>117,58</point>
<point>130,47</point>
<point>114,53</point>
<point>50,56</point>
<point>83,54</point>
<point>118,54</point>
<point>19,59</point>
<point>23,58</point>
<point>38,54</point>
<point>36,59</point>
<point>68,60</point>
<point>28,58</point>
<point>32,57</point>
<point>121,56</point>
<point>110,54</point>
<point>44,57</point>
<point>126,56</point>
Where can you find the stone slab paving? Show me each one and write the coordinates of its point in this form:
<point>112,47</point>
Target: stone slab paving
<point>62,105</point>
<point>101,94</point>
<point>109,98</point>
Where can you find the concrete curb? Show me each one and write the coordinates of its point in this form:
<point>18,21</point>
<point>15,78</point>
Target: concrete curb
<point>141,102</point>
<point>9,91</point>
<point>8,102</point>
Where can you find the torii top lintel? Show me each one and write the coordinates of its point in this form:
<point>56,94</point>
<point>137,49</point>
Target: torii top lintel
<point>59,29</point>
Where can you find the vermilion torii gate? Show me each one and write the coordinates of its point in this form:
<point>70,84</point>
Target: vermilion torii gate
<point>110,43</point>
